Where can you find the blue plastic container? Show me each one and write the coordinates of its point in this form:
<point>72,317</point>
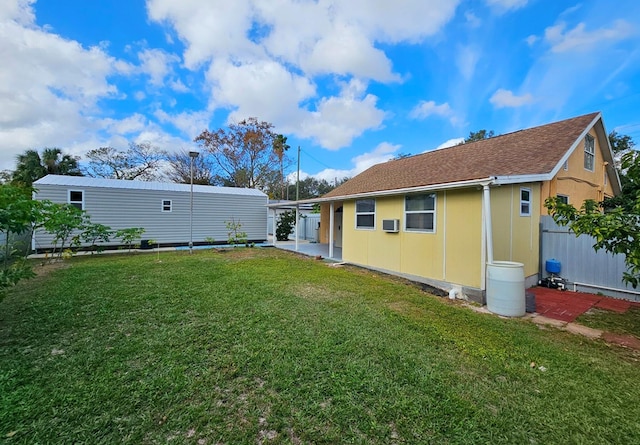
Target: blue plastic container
<point>553,266</point>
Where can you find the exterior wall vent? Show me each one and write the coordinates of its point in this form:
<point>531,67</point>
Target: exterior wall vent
<point>391,225</point>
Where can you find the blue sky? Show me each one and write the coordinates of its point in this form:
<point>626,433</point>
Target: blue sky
<point>353,82</point>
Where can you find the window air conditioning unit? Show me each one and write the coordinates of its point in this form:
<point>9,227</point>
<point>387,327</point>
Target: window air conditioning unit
<point>391,225</point>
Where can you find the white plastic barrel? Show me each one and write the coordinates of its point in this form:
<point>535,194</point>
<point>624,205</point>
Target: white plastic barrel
<point>505,288</point>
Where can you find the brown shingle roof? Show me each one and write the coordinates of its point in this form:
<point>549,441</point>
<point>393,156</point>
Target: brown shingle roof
<point>533,151</point>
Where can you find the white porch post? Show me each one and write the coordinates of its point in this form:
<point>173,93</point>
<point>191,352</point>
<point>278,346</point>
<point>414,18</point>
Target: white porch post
<point>273,226</point>
<point>297,220</point>
<point>331,230</point>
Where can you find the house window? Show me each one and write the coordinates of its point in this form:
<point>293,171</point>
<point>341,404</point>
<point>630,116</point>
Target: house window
<point>76,198</point>
<point>564,199</point>
<point>589,152</point>
<point>365,214</point>
<point>525,202</point>
<point>166,205</point>
<point>565,166</point>
<point>419,213</point>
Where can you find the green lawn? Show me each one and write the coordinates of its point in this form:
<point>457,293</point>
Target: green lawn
<point>261,346</point>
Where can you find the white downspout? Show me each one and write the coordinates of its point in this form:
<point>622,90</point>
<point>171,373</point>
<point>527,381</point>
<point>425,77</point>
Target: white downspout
<point>487,222</point>
<point>331,230</point>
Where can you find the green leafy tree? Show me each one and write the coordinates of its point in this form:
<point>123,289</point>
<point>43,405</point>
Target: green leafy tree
<point>18,214</point>
<point>311,187</point>
<point>235,234</point>
<point>242,154</point>
<point>129,236</point>
<point>32,166</point>
<point>61,221</point>
<point>285,225</point>
<point>621,144</point>
<point>478,136</point>
<point>94,234</point>
<point>615,231</point>
<point>142,162</point>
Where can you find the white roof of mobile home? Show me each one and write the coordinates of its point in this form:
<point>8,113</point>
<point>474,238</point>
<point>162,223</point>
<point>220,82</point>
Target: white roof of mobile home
<point>84,181</point>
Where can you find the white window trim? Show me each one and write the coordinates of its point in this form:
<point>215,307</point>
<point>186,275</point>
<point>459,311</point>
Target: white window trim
<point>406,212</point>
<point>590,153</point>
<point>365,213</point>
<point>69,201</point>
<point>170,201</point>
<point>522,201</point>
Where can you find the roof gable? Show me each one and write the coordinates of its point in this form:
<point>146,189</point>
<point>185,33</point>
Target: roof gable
<point>533,152</point>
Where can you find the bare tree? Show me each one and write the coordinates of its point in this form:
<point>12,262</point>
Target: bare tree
<point>140,161</point>
<point>180,169</point>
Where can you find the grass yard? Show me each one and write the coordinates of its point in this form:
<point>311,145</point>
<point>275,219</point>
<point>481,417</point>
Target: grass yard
<point>260,346</point>
<point>627,323</point>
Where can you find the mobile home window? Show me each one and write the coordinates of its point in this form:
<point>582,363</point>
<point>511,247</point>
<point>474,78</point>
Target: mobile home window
<point>365,213</point>
<point>166,205</point>
<point>420,213</point>
<point>525,202</point>
<point>76,198</point>
<point>589,152</point>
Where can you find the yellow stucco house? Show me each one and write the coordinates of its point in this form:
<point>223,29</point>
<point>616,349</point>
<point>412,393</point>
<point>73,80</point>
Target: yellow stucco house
<point>425,216</point>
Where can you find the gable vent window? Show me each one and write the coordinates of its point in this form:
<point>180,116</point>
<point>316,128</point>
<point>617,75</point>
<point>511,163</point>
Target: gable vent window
<point>589,152</point>
<point>166,205</point>
<point>76,198</point>
<point>420,213</point>
<point>365,214</point>
<point>525,202</point>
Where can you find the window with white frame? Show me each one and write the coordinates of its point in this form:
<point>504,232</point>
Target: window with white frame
<point>564,199</point>
<point>525,201</point>
<point>76,198</point>
<point>365,214</point>
<point>420,213</point>
<point>589,152</point>
<point>166,205</point>
<point>565,166</point>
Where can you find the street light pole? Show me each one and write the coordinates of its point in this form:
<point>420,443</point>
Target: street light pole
<point>192,156</point>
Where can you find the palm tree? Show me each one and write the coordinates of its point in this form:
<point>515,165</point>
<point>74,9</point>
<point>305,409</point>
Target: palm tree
<point>31,166</point>
<point>279,147</point>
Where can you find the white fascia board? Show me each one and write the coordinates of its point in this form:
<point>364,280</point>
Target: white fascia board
<point>521,179</point>
<point>425,188</point>
<point>573,147</point>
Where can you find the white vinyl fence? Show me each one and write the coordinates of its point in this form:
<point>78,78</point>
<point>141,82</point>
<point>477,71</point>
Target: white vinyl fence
<point>308,227</point>
<point>584,268</point>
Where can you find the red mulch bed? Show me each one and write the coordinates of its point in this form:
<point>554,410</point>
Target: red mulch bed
<point>567,305</point>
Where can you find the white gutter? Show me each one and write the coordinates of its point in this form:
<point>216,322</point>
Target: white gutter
<point>487,223</point>
<point>424,188</point>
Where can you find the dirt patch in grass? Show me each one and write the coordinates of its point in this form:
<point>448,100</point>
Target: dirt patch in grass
<point>313,292</point>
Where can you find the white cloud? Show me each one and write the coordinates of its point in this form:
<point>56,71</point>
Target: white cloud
<point>472,20</point>
<point>189,123</point>
<point>131,124</point>
<point>339,119</point>
<point>50,87</point>
<point>425,109</point>
<point>580,39</point>
<point>382,153</point>
<point>507,5</point>
<point>532,39</point>
<point>466,60</point>
<point>449,143</point>
<point>157,65</point>
<point>504,98</point>
<point>263,88</point>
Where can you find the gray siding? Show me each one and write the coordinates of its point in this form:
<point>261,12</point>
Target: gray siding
<point>580,263</point>
<point>123,208</point>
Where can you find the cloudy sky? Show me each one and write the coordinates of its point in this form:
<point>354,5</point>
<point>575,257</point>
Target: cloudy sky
<point>353,82</point>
